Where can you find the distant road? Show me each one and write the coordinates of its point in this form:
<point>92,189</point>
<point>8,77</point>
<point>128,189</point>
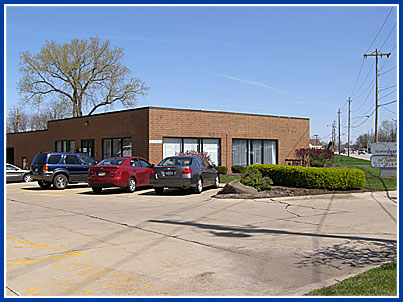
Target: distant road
<point>365,156</point>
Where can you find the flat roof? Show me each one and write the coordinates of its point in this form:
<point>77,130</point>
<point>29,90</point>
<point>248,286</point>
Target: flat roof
<point>180,109</point>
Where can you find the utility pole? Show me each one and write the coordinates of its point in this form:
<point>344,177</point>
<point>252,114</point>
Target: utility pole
<point>339,132</point>
<point>376,55</point>
<point>316,140</point>
<point>18,121</point>
<point>334,136</point>
<point>348,148</point>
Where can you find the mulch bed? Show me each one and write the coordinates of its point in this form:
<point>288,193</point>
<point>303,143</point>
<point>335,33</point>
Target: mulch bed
<point>279,191</point>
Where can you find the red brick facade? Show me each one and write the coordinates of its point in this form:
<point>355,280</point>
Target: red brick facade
<point>148,126</point>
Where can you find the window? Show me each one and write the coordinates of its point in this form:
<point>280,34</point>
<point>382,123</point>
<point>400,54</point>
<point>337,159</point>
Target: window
<point>114,147</point>
<point>135,163</point>
<point>112,162</point>
<point>87,160</point>
<point>257,151</point>
<point>11,168</point>
<point>211,146</point>
<point>65,146</point>
<point>54,159</point>
<point>144,164</point>
<point>71,160</point>
<point>87,147</point>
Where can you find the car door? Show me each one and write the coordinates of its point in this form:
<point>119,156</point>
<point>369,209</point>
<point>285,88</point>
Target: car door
<point>147,170</point>
<point>12,173</point>
<point>86,163</point>
<point>77,171</point>
<point>208,178</point>
<point>140,172</point>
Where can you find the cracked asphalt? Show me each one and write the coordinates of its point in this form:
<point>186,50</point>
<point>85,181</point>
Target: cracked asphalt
<point>75,243</point>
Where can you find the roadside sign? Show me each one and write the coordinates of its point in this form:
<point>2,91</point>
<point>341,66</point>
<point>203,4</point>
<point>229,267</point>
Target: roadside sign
<point>383,161</point>
<point>384,148</point>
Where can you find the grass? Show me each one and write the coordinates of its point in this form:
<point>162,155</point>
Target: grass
<point>380,281</point>
<point>373,181</point>
<point>227,179</point>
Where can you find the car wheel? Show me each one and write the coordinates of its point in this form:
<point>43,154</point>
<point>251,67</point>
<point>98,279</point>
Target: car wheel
<point>159,191</point>
<point>60,182</point>
<point>199,186</point>
<point>27,178</point>
<point>97,190</point>
<point>217,182</point>
<point>131,185</point>
<point>44,184</point>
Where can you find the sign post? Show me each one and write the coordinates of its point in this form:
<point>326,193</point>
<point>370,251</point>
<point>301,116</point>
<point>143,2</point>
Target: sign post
<point>384,156</point>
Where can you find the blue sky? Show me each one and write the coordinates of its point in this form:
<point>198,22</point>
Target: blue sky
<point>287,61</point>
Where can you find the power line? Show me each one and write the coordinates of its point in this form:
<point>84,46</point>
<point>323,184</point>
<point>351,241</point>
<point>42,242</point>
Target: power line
<point>386,95</point>
<point>388,70</point>
<point>389,110</point>
<point>386,88</point>
<point>388,35</point>
<point>380,29</point>
<point>388,103</point>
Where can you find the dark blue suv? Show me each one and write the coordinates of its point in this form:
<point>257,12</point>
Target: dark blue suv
<point>60,169</point>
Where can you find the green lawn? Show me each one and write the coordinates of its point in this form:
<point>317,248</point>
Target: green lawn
<point>374,182</point>
<point>379,281</point>
<point>227,179</point>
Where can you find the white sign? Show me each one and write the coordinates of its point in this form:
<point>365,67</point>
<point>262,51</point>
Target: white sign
<point>384,161</point>
<point>155,141</point>
<point>384,148</point>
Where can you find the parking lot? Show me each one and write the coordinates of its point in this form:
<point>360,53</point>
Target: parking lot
<point>76,243</point>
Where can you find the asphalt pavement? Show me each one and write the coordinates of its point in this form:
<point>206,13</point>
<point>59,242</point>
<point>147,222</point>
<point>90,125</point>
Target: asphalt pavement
<point>76,243</point>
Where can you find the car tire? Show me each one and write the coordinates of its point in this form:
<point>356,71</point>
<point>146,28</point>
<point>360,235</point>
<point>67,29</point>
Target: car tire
<point>44,184</point>
<point>199,186</point>
<point>27,178</point>
<point>60,182</point>
<point>97,190</point>
<point>131,185</point>
<point>217,181</point>
<point>159,191</point>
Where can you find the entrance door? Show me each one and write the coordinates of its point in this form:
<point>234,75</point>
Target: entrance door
<point>10,156</point>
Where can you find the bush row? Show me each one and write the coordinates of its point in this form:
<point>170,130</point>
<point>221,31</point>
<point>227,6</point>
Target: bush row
<point>313,178</point>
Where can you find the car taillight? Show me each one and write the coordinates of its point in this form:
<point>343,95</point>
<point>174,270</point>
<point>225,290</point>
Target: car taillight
<point>117,172</point>
<point>187,170</point>
<point>45,168</point>
<point>153,171</point>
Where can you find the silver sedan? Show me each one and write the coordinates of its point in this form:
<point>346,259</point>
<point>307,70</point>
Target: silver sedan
<point>13,173</point>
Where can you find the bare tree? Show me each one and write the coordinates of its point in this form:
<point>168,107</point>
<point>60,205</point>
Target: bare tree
<point>17,120</point>
<point>87,74</point>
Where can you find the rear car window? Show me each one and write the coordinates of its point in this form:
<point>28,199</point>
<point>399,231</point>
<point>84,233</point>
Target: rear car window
<point>176,161</point>
<point>71,160</point>
<point>40,159</point>
<point>54,159</point>
<point>144,164</point>
<point>111,162</point>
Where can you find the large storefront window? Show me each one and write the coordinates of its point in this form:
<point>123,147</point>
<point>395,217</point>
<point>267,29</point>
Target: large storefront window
<point>212,146</point>
<point>256,151</point>
<point>112,147</point>
<point>65,146</point>
<point>87,147</point>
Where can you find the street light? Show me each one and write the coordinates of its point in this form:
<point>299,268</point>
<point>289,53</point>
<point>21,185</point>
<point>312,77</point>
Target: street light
<point>316,142</point>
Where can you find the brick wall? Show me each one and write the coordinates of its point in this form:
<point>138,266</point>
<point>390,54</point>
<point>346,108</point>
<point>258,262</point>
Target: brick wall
<point>150,123</point>
<point>291,133</point>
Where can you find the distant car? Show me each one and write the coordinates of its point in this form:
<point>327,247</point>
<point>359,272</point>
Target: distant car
<point>60,169</point>
<point>13,173</point>
<point>361,151</point>
<point>123,172</point>
<point>184,172</point>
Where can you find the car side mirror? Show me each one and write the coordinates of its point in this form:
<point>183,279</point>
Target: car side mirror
<point>152,166</point>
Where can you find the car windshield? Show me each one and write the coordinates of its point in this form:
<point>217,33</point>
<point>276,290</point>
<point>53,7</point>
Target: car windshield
<point>176,161</point>
<point>111,162</point>
<point>40,159</point>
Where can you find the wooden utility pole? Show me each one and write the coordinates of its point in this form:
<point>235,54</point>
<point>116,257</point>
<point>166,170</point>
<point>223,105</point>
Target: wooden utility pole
<point>376,55</point>
<point>339,132</point>
<point>18,121</point>
<point>348,142</point>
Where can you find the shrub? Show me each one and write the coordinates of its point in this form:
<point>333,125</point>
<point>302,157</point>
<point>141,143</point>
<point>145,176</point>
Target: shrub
<point>316,163</point>
<point>316,178</point>
<point>222,169</point>
<point>238,169</point>
<point>254,178</point>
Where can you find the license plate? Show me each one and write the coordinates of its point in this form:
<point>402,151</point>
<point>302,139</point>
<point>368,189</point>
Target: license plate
<point>101,173</point>
<point>169,173</point>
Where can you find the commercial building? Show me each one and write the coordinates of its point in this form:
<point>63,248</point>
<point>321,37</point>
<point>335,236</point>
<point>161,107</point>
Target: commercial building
<point>154,133</point>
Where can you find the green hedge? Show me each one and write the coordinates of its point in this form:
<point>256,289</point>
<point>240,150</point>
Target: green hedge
<point>222,169</point>
<point>238,169</point>
<point>314,178</point>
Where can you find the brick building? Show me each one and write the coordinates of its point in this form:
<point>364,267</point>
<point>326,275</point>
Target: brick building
<point>154,133</point>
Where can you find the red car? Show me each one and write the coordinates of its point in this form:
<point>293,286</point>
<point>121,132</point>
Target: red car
<point>124,172</point>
